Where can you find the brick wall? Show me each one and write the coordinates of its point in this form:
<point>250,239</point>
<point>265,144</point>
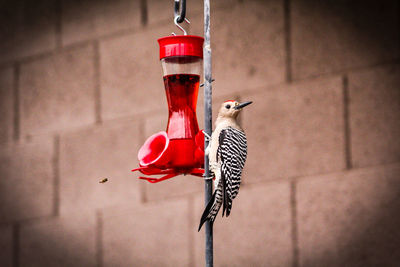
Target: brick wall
<point>81,89</point>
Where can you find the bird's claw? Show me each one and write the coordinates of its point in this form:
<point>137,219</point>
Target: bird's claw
<point>206,136</point>
<point>208,178</point>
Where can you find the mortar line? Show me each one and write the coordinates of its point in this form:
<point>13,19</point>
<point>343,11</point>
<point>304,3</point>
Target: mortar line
<point>144,18</point>
<point>99,239</point>
<point>191,226</point>
<point>288,40</point>
<point>16,119</point>
<point>16,252</point>
<point>346,120</point>
<point>293,211</point>
<point>239,98</point>
<point>97,86</point>
<point>58,24</point>
<point>56,173</point>
<point>142,186</point>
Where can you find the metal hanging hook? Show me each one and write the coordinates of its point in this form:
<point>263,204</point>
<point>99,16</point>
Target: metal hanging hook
<point>179,10</point>
<point>180,14</point>
<point>179,26</point>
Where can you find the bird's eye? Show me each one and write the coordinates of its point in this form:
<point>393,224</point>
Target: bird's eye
<point>228,106</point>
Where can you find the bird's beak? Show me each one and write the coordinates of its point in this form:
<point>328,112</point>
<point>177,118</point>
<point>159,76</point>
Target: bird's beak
<point>242,105</point>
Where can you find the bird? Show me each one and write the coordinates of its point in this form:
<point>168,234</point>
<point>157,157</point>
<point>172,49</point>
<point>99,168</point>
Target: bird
<point>227,152</point>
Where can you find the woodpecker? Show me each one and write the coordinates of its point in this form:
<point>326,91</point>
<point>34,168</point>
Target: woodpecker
<point>227,152</point>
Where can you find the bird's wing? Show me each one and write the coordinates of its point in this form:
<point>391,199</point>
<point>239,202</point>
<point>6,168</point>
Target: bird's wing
<point>232,153</point>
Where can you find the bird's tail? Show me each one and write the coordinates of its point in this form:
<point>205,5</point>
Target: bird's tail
<point>212,208</point>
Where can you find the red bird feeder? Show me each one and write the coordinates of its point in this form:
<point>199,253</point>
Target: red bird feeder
<point>179,150</point>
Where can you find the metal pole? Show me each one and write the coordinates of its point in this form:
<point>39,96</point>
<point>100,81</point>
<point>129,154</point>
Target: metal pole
<point>207,126</point>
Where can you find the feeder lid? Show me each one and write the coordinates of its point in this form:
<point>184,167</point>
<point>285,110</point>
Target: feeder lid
<point>181,45</point>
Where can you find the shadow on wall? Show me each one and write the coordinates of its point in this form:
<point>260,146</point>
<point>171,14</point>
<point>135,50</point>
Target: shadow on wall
<point>360,229</point>
<point>342,35</point>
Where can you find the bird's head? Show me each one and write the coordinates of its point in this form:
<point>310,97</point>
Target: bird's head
<point>232,108</point>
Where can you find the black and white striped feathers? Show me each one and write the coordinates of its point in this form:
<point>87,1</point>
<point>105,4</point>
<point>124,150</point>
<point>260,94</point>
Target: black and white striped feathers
<point>231,156</point>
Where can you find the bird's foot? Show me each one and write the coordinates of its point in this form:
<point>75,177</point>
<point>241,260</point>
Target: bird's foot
<point>210,177</point>
<point>206,136</point>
